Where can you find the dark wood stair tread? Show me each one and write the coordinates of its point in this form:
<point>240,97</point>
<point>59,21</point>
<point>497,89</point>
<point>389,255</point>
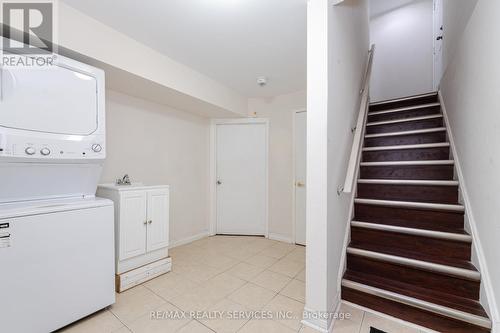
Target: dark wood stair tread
<point>409,124</point>
<point>409,313</point>
<point>406,112</point>
<point>406,138</point>
<point>411,218</point>
<point>409,172</point>
<point>414,255</point>
<point>425,193</point>
<point>408,101</point>
<point>407,154</point>
<point>430,244</point>
<point>425,294</point>
<point>437,228</point>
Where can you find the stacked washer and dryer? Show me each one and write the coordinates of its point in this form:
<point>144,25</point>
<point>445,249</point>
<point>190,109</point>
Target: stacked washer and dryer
<point>56,237</point>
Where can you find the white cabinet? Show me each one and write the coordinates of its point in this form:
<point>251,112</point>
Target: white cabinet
<point>141,230</point>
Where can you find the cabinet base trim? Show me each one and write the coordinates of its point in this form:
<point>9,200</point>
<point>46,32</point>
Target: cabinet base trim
<point>142,274</point>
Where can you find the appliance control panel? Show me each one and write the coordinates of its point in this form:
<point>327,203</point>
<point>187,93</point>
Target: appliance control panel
<point>67,148</point>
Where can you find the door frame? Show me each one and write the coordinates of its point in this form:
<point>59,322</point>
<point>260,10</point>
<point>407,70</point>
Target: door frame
<point>437,73</point>
<point>212,230</point>
<point>294,202</point>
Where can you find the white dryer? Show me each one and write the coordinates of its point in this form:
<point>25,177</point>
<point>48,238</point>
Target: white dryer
<point>56,238</point>
<point>52,131</point>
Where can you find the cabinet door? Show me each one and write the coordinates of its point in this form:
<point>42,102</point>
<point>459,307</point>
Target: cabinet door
<point>158,219</point>
<point>132,224</point>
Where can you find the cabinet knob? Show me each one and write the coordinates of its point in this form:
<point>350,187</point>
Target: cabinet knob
<point>150,221</point>
<point>145,222</point>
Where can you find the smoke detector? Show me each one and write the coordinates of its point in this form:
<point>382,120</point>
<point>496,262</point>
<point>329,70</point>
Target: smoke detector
<point>262,81</point>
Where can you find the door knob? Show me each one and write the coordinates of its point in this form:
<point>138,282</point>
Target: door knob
<point>145,222</point>
<point>150,221</point>
<point>219,182</point>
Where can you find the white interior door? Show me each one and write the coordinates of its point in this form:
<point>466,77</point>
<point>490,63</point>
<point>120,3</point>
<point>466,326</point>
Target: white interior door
<point>241,171</point>
<point>438,42</point>
<point>300,143</point>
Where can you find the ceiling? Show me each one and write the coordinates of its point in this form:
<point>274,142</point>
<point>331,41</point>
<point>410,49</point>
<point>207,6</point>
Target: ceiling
<point>231,41</point>
<point>379,7</point>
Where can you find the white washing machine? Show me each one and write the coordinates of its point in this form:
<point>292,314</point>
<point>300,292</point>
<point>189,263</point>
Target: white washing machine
<point>56,238</point>
<point>56,262</point>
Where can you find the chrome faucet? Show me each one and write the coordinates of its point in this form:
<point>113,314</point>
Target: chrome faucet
<point>123,181</point>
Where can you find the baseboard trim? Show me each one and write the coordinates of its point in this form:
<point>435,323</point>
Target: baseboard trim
<point>320,325</point>
<point>483,267</point>
<point>496,327</point>
<point>336,309</point>
<point>280,238</point>
<point>188,240</point>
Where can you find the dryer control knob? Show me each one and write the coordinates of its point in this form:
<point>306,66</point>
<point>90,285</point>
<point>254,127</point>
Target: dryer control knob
<point>30,151</point>
<point>45,151</point>
<point>97,148</point>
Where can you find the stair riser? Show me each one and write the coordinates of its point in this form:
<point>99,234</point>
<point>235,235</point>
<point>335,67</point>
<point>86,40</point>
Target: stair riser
<point>405,126</point>
<point>408,172</point>
<point>421,154</point>
<point>405,114</point>
<point>418,277</point>
<point>411,193</point>
<point>413,139</point>
<point>441,248</point>
<point>405,103</point>
<point>410,218</point>
<point>408,313</point>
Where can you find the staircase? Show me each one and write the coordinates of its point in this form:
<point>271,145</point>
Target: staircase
<point>409,255</point>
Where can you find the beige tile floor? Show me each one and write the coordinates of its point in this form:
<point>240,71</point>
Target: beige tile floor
<point>225,275</point>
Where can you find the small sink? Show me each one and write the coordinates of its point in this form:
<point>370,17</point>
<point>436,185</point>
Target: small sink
<point>134,184</point>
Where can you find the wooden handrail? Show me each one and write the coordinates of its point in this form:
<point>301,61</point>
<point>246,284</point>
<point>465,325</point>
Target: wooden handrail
<point>359,130</point>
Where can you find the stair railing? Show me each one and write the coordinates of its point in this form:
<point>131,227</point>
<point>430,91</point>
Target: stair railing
<point>359,130</point>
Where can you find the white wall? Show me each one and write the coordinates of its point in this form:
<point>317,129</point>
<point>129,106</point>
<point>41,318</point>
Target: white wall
<point>318,15</point>
<point>280,112</point>
<point>470,93</point>
<point>159,145</point>
<point>456,15</point>
<point>348,49</point>
<point>403,63</point>
<point>338,43</point>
